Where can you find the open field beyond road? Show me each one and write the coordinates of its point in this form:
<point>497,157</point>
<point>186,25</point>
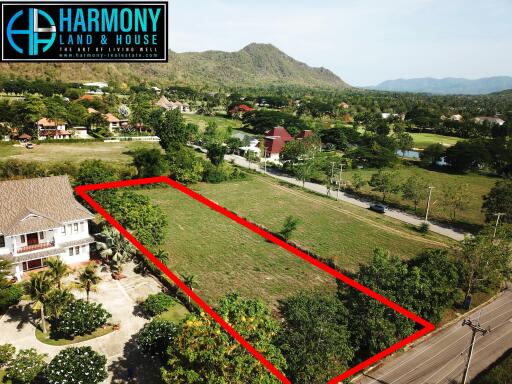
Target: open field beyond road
<point>203,121</point>
<point>477,187</point>
<point>423,140</point>
<point>74,152</point>
<point>226,257</point>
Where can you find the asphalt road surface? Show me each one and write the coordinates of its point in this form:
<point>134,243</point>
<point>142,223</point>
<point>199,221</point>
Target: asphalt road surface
<point>396,214</point>
<point>441,358</point>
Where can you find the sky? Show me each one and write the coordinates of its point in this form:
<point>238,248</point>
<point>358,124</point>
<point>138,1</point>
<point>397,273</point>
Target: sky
<point>364,42</point>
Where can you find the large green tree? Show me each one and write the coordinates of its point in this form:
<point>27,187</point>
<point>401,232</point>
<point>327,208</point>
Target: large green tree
<point>202,352</point>
<point>484,263</point>
<point>499,200</point>
<point>150,162</point>
<point>385,182</point>
<point>315,338</point>
<point>173,131</point>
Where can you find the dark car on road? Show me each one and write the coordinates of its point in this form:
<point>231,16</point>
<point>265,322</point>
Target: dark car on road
<point>380,208</point>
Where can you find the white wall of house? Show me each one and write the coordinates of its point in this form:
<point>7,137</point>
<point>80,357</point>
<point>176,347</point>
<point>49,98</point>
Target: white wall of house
<point>54,238</point>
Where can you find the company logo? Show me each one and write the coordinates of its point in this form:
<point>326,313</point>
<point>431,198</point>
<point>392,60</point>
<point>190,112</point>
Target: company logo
<point>37,25</point>
<point>82,31</point>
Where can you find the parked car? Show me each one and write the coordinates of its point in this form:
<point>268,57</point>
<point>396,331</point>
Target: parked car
<point>30,146</point>
<point>380,208</point>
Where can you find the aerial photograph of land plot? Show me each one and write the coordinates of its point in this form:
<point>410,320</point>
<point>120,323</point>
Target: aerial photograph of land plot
<point>223,192</point>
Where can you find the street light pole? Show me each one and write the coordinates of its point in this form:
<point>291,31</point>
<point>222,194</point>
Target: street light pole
<point>339,182</point>
<point>499,215</point>
<point>428,204</point>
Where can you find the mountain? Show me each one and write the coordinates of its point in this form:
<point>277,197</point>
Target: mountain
<point>447,86</point>
<point>254,65</point>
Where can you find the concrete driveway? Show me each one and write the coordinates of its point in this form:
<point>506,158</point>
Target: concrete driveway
<point>17,327</point>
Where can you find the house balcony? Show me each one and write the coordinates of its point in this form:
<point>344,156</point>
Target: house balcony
<point>36,247</point>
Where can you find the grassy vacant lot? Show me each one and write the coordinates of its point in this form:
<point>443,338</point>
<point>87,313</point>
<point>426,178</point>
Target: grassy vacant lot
<point>477,187</point>
<point>203,121</point>
<point>423,140</point>
<point>75,152</point>
<point>225,256</point>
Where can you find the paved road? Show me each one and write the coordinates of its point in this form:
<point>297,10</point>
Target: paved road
<point>398,215</point>
<point>440,359</point>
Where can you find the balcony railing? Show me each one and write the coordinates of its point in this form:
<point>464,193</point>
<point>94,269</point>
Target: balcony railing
<point>36,247</point>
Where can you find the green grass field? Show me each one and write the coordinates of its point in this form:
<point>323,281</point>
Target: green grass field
<point>226,257</point>
<point>203,121</point>
<point>74,152</point>
<point>175,314</point>
<point>423,140</point>
<point>477,187</point>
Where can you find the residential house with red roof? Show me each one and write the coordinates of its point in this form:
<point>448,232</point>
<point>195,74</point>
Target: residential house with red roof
<point>240,110</point>
<point>275,140</point>
<point>49,128</point>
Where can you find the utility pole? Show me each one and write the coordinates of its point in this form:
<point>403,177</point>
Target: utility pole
<point>499,215</point>
<point>428,204</point>
<point>476,328</point>
<point>331,180</point>
<point>339,182</point>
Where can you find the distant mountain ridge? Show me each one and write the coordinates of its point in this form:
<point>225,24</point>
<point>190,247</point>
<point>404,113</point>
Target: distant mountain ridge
<point>254,65</point>
<point>448,85</point>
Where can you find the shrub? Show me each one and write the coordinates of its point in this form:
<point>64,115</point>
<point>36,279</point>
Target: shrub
<point>10,296</point>
<point>156,336</point>
<point>156,304</point>
<point>80,318</point>
<point>424,228</point>
<point>26,366</point>
<point>77,365</point>
<point>220,173</point>
<point>7,352</point>
<point>289,227</point>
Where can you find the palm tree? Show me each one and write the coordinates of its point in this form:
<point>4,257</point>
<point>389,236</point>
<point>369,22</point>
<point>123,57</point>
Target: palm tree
<point>162,256</point>
<point>38,288</point>
<point>190,282</point>
<point>88,279</point>
<point>56,302</point>
<point>57,270</point>
<point>115,248</point>
<point>5,271</point>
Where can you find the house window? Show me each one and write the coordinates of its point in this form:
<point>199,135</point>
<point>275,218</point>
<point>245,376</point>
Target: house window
<point>63,230</point>
<point>22,238</point>
<point>41,235</point>
<point>82,226</point>
<point>2,241</point>
<point>75,227</point>
<point>71,251</point>
<point>77,250</point>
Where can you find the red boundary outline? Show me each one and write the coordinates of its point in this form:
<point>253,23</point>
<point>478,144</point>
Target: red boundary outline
<point>427,327</point>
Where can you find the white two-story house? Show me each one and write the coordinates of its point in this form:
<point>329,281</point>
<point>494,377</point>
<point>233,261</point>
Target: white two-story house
<point>40,218</point>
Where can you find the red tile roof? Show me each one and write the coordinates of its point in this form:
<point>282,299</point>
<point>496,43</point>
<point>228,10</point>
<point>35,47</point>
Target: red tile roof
<point>111,118</point>
<point>274,145</point>
<point>245,108</point>
<point>279,132</point>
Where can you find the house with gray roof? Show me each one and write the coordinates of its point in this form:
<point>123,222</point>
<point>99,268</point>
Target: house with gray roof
<point>40,218</point>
